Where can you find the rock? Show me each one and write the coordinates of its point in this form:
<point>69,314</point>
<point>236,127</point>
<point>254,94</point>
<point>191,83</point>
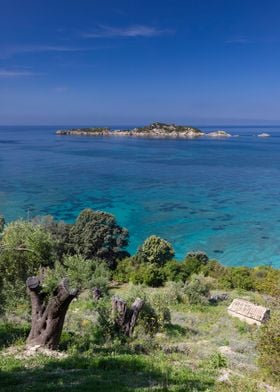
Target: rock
<point>224,377</point>
<point>219,134</point>
<point>264,134</point>
<point>214,299</point>
<point>176,348</point>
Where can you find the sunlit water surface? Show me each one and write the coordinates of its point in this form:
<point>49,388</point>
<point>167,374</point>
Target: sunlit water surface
<point>220,196</point>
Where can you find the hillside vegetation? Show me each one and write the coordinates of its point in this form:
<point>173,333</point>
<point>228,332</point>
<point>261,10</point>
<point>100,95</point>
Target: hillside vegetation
<point>183,338</point>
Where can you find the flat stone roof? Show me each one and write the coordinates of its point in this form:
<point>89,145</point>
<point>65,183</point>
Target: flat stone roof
<point>248,309</point>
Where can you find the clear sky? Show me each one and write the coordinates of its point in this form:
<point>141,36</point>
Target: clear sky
<point>132,62</point>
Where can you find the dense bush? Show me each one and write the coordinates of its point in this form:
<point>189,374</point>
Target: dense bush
<point>59,231</point>
<point>269,346</point>
<point>96,234</point>
<point>81,273</point>
<point>194,262</point>
<point>24,248</point>
<point>214,269</point>
<point>267,280</point>
<point>197,290</point>
<point>175,271</point>
<point>148,274</point>
<point>156,250</point>
<point>238,278</point>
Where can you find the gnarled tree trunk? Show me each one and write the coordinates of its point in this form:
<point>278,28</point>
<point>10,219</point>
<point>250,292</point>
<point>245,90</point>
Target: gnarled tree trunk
<point>126,318</point>
<point>48,317</point>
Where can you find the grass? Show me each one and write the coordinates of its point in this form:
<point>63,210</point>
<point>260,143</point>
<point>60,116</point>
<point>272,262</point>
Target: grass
<point>199,345</point>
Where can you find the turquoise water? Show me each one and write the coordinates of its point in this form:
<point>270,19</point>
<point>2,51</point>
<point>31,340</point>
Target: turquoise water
<point>220,196</point>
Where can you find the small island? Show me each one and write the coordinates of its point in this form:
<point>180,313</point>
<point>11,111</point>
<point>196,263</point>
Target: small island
<point>156,129</point>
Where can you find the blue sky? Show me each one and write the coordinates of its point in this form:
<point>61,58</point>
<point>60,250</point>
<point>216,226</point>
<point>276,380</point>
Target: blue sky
<point>132,62</point>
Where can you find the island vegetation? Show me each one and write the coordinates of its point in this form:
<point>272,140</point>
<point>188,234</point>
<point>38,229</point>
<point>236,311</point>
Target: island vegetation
<point>156,129</point>
<point>79,312</point>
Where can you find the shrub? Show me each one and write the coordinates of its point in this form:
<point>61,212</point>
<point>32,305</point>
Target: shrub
<point>125,269</point>
<point>217,361</point>
<point>156,250</point>
<point>155,313</point>
<point>269,346</point>
<point>24,248</point>
<point>59,231</point>
<point>81,273</point>
<point>238,278</point>
<point>213,269</point>
<point>96,234</point>
<point>267,280</point>
<point>194,262</point>
<point>174,271</point>
<point>197,290</point>
<point>148,274</point>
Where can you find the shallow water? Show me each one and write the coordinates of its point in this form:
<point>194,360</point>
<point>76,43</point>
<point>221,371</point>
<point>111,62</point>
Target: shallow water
<point>220,196</point>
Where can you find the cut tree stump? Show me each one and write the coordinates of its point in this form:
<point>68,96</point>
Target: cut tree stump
<point>126,318</point>
<point>48,314</point>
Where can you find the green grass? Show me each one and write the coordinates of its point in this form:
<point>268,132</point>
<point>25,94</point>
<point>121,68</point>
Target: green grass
<point>185,356</point>
<point>100,373</point>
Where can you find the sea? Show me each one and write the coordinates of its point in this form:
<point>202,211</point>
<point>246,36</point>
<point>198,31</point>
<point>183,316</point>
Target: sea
<point>221,196</point>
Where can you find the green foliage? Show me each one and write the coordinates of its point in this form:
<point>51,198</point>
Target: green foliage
<point>24,248</point>
<point>238,278</point>
<point>126,268</point>
<point>213,269</point>
<point>148,274</point>
<point>81,274</point>
<point>175,271</point>
<point>269,346</point>
<point>267,280</point>
<point>156,250</point>
<point>197,290</point>
<point>217,361</point>
<point>96,234</point>
<point>59,231</point>
<point>194,262</point>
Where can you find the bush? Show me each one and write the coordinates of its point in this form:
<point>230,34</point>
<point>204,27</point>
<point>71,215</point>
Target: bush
<point>213,269</point>
<point>24,248</point>
<point>197,290</point>
<point>96,234</point>
<point>125,269</point>
<point>174,271</point>
<point>59,231</point>
<point>267,280</point>
<point>217,361</point>
<point>238,278</point>
<point>155,313</point>
<point>81,273</point>
<point>269,346</point>
<point>148,274</point>
<point>156,250</point>
<point>194,262</point>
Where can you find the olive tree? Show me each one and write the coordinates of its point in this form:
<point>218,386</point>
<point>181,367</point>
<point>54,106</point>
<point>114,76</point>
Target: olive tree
<point>52,292</point>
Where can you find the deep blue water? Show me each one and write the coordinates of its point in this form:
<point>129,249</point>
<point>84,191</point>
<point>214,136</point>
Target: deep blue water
<point>220,196</point>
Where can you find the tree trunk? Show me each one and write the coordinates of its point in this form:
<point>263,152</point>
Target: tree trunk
<point>48,317</point>
<point>125,318</point>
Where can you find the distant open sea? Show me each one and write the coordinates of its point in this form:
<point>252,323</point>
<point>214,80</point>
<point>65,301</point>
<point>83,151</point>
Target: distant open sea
<point>219,196</point>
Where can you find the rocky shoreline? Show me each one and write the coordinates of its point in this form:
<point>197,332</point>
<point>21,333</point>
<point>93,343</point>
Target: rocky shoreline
<point>153,130</point>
